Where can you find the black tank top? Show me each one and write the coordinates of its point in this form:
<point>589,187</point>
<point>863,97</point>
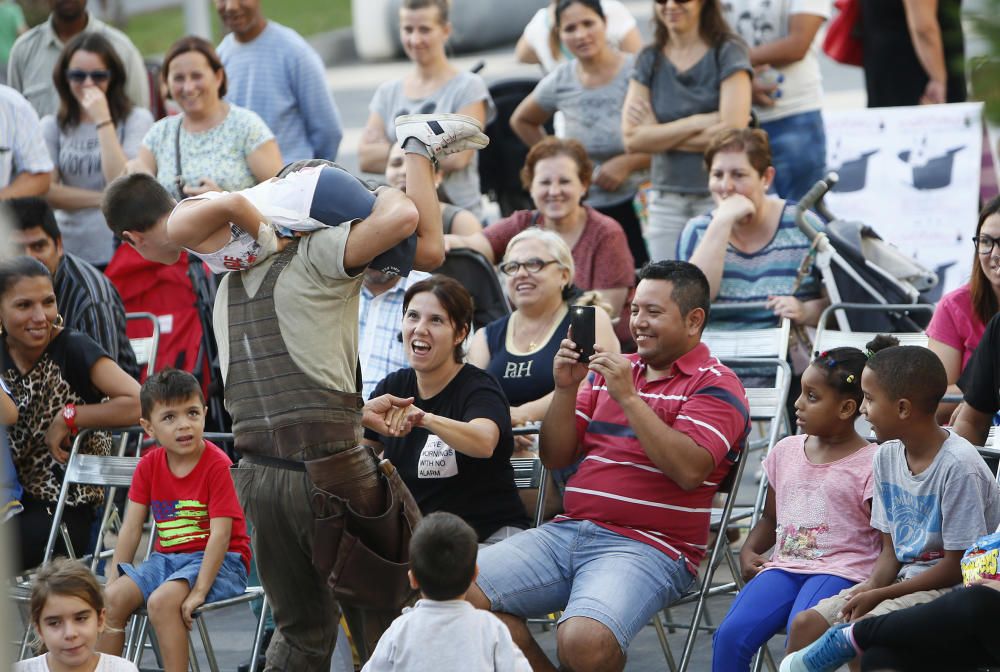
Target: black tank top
<point>523,378</point>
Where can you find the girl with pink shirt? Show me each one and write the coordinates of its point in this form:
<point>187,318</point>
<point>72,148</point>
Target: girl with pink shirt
<point>816,516</point>
<point>961,315</point>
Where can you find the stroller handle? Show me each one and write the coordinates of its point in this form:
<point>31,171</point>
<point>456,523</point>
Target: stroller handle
<point>809,201</point>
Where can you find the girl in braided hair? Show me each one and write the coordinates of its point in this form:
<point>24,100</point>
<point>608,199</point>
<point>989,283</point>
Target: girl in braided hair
<point>816,516</point>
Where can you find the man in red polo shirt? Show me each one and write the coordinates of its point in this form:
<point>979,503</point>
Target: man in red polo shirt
<point>655,433</point>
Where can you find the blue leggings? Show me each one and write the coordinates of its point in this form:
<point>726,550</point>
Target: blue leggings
<point>768,603</point>
<point>341,197</point>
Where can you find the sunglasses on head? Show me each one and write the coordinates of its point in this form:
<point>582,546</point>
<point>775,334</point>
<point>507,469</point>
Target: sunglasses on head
<point>80,76</point>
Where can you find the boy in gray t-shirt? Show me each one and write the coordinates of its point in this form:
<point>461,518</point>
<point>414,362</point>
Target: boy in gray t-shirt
<point>934,495</point>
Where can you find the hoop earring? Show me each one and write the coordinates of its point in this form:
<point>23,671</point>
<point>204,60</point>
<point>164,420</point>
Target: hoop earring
<point>59,322</point>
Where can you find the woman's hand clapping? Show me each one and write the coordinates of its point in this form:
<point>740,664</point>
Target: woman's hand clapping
<point>391,416</point>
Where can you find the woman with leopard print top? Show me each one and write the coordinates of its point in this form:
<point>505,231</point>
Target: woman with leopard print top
<point>62,381</point>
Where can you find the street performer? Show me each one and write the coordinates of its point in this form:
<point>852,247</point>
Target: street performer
<point>287,330</point>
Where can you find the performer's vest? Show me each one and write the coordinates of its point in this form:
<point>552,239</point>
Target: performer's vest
<point>278,411</point>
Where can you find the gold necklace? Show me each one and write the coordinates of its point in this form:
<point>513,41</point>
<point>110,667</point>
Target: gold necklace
<point>532,344</point>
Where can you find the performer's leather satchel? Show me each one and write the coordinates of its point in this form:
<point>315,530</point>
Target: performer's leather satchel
<point>365,516</point>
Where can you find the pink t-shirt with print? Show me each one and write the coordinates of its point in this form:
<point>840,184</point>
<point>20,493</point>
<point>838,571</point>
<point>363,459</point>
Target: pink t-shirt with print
<point>823,510</point>
<point>956,324</point>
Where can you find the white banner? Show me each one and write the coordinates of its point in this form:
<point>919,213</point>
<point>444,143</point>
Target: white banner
<point>912,174</point>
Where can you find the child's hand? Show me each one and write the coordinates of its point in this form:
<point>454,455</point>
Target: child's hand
<point>751,564</point>
<point>860,604</point>
<point>192,602</point>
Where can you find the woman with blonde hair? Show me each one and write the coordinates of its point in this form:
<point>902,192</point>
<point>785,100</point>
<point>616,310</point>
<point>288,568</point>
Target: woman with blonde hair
<point>518,348</point>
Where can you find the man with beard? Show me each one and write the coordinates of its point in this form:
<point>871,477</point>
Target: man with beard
<point>35,53</point>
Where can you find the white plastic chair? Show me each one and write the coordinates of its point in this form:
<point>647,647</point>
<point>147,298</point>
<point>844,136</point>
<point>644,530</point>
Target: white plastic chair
<point>146,347</point>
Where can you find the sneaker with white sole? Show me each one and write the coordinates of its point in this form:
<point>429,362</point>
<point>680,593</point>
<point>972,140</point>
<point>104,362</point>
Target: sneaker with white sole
<point>443,134</point>
<point>826,654</point>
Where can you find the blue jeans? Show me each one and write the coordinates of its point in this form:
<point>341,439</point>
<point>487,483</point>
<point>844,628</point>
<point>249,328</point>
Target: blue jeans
<point>768,603</point>
<point>798,151</point>
<point>585,570</point>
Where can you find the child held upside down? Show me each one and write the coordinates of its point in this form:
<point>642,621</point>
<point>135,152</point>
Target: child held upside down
<point>234,231</point>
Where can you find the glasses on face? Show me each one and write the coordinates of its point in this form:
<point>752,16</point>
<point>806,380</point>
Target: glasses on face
<point>531,266</point>
<point>985,244</point>
<point>676,2</point>
<point>80,76</point>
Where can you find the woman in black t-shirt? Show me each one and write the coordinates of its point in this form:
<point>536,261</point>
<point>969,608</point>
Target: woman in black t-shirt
<point>454,448</point>
<point>58,377</point>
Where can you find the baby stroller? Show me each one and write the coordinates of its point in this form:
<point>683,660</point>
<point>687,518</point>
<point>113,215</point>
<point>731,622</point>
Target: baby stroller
<point>500,163</point>
<point>857,266</point>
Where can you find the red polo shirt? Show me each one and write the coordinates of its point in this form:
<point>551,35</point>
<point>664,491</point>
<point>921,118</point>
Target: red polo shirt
<point>618,486</point>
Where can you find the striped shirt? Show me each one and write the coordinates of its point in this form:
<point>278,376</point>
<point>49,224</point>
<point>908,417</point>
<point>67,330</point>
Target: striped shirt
<point>89,303</point>
<point>380,320</point>
<point>751,278</point>
<point>618,486</point>
<point>281,78</point>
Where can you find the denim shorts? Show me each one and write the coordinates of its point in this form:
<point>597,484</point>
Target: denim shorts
<point>585,570</point>
<point>159,568</point>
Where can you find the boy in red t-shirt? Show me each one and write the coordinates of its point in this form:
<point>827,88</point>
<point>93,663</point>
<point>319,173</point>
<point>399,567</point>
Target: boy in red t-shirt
<point>202,551</point>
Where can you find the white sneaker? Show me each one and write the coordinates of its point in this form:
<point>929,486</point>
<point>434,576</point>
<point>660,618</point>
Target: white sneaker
<point>443,134</point>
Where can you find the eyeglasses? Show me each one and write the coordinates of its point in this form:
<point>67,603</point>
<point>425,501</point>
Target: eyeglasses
<point>531,266</point>
<point>985,244</point>
<point>676,2</point>
<point>96,76</point>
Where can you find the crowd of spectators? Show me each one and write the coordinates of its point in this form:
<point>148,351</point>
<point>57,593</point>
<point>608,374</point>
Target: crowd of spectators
<point>669,186</point>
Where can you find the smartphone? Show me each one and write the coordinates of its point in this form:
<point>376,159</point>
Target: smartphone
<point>581,323</point>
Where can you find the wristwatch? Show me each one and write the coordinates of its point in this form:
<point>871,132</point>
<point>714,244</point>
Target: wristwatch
<point>69,415</point>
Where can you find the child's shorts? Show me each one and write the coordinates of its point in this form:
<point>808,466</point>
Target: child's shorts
<point>162,567</point>
<point>830,607</point>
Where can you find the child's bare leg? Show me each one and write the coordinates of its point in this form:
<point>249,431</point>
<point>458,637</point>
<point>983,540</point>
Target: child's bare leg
<point>807,626</point>
<point>421,190</point>
<point>122,598</point>
<point>164,608</point>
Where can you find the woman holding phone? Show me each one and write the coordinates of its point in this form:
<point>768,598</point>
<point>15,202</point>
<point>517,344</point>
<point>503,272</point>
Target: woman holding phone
<point>518,348</point>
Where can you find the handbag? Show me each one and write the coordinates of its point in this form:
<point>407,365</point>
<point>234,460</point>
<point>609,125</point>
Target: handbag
<point>843,36</point>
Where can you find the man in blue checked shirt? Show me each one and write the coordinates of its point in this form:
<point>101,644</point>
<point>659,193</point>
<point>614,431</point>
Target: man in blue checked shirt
<point>380,315</point>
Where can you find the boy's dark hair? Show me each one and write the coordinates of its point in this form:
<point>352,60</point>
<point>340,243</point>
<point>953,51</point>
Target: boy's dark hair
<point>30,212</point>
<point>443,556</point>
<point>135,202</point>
<point>908,372</point>
<point>690,288</point>
<point>166,386</point>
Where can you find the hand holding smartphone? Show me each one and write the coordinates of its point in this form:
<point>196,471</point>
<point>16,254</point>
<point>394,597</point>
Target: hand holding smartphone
<point>582,330</point>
